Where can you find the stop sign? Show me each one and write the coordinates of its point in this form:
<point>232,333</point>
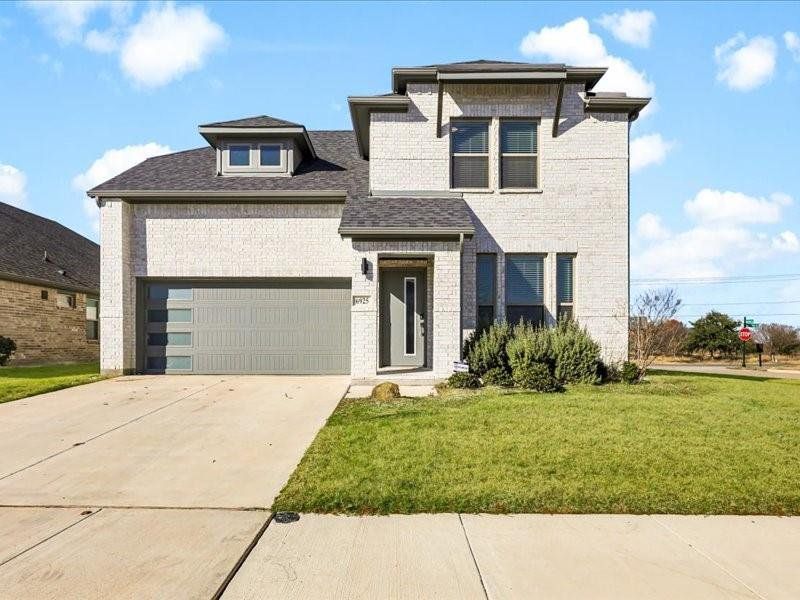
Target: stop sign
<point>745,334</point>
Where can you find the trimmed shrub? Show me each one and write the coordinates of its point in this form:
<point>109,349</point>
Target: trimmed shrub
<point>497,376</point>
<point>487,350</point>
<point>464,381</point>
<point>630,372</point>
<point>609,373</point>
<point>7,348</point>
<point>385,391</point>
<point>529,345</point>
<point>537,377</point>
<point>575,354</point>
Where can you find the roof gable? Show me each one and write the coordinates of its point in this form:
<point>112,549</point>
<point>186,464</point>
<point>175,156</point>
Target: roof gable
<point>258,121</point>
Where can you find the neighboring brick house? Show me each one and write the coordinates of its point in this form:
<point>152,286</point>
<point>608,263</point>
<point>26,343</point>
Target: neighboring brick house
<point>472,192</point>
<point>49,289</point>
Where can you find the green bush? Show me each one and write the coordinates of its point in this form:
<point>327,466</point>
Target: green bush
<point>487,350</point>
<point>609,373</point>
<point>497,376</point>
<point>630,372</point>
<point>464,381</point>
<point>529,345</point>
<point>537,377</point>
<point>575,354</point>
<point>7,348</point>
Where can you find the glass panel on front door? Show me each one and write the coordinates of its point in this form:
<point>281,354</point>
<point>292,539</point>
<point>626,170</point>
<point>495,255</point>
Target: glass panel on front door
<point>411,315</point>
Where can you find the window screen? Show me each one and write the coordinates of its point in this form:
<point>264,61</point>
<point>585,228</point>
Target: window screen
<point>470,154</point>
<point>518,154</point>
<point>565,279</point>
<point>525,288</point>
<point>485,278</point>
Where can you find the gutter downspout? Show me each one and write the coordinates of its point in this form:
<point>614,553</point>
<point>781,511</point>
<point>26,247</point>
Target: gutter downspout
<point>557,116</point>
<point>440,95</point>
<point>460,296</point>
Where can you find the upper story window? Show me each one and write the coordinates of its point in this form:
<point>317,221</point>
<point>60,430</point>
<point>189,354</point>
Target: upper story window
<point>269,155</point>
<point>255,158</point>
<point>239,156</point>
<point>469,162</point>
<point>519,154</point>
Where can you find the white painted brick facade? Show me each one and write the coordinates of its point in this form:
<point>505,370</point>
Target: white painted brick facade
<point>582,208</point>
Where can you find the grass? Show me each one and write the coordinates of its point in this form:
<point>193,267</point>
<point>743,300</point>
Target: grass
<point>680,443</point>
<point>21,382</point>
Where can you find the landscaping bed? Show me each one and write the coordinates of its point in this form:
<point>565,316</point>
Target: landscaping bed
<point>21,382</point>
<point>676,443</point>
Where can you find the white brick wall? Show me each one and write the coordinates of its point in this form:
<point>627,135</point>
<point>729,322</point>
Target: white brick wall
<point>582,206</point>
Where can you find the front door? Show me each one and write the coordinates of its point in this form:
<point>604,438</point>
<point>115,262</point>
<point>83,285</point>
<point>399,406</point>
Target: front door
<point>402,317</point>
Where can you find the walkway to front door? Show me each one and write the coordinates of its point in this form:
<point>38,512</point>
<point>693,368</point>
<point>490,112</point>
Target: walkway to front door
<point>402,316</point>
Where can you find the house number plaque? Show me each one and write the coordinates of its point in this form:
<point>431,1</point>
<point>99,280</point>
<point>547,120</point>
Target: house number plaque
<point>359,300</point>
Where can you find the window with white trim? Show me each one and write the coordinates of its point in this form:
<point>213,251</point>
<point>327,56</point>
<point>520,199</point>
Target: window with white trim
<point>519,154</point>
<point>65,300</point>
<point>92,321</point>
<point>469,160</point>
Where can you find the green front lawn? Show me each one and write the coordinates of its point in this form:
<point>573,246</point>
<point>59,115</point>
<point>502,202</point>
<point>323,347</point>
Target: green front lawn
<point>21,382</point>
<point>676,444</point>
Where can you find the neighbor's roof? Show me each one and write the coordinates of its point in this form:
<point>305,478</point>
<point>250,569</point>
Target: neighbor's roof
<point>258,121</point>
<point>338,166</point>
<point>416,215</point>
<point>24,239</point>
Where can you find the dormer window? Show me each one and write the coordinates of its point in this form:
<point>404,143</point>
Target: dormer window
<point>269,155</point>
<point>239,156</point>
<point>259,146</point>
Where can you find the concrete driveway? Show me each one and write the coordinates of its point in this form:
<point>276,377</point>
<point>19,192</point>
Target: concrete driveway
<point>145,487</point>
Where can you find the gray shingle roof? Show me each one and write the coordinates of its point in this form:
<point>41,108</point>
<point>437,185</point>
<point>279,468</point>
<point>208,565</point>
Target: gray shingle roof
<point>338,167</point>
<point>487,66</point>
<point>24,238</point>
<point>414,212</point>
<point>258,121</point>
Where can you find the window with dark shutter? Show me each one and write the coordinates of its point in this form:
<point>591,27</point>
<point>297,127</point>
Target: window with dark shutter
<point>470,154</point>
<point>565,279</point>
<point>485,277</point>
<point>525,288</point>
<point>518,154</point>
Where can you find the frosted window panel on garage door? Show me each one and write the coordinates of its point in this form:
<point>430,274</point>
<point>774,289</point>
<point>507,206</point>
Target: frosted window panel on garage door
<point>170,315</point>
<point>167,292</point>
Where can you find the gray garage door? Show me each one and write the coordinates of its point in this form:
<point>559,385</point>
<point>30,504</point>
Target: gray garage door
<point>288,326</point>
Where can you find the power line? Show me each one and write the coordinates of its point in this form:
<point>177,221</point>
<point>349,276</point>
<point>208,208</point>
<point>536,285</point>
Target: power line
<point>740,303</point>
<point>781,277</point>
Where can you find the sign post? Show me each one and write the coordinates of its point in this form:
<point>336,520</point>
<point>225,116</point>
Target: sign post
<point>745,334</point>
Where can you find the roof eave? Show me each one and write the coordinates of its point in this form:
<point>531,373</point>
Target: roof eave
<point>589,75</point>
<point>631,106</point>
<point>213,134</point>
<point>404,232</point>
<point>361,107</point>
<point>200,195</point>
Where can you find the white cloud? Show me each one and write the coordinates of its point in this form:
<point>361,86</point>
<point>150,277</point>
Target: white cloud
<point>113,162</point>
<point>574,43</point>
<point>167,43</point>
<point>792,41</point>
<point>632,26</point>
<point>715,206</point>
<point>745,64</point>
<point>104,42</point>
<point>67,19</point>
<point>720,241</point>
<point>649,227</point>
<point>648,150</point>
<point>12,186</point>
<point>786,241</point>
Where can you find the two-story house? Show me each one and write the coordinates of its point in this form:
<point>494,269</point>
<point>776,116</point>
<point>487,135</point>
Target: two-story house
<point>473,192</point>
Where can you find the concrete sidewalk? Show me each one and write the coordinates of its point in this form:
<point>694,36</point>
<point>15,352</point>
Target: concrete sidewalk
<point>730,371</point>
<point>524,556</point>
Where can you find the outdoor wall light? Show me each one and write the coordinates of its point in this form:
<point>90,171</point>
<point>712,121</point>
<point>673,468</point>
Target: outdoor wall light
<point>364,266</point>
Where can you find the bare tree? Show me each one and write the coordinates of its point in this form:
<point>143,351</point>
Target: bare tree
<point>779,339</point>
<point>651,330</point>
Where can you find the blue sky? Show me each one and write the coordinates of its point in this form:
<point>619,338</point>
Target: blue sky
<point>89,89</point>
